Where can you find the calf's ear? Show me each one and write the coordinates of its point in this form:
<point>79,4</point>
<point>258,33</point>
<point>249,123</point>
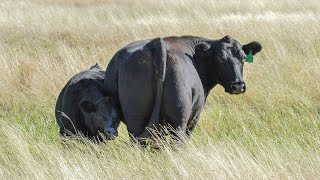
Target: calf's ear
<point>253,46</point>
<point>87,106</point>
<point>202,49</point>
<point>226,39</point>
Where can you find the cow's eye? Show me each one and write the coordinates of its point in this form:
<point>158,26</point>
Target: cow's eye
<point>234,50</point>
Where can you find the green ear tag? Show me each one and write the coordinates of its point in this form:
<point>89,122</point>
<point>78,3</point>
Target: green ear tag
<point>249,57</point>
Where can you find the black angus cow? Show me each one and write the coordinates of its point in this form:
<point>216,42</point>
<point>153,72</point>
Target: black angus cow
<point>165,81</point>
<point>83,106</point>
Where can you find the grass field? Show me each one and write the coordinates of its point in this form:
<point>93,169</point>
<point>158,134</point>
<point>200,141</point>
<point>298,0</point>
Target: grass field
<point>271,132</point>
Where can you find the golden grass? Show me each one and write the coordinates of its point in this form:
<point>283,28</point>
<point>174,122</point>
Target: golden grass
<point>271,132</point>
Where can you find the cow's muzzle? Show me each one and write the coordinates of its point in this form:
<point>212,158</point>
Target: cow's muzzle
<point>236,88</point>
<point>110,133</point>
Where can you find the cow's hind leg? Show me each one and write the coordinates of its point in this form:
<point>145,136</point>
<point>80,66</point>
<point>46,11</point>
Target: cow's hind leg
<point>177,125</point>
<point>136,123</point>
<point>192,124</point>
<point>198,102</point>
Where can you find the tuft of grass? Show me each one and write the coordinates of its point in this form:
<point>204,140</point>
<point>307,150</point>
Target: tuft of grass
<point>271,132</point>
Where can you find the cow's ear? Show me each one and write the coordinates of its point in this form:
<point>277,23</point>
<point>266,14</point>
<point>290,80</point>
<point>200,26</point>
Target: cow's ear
<point>254,46</point>
<point>96,66</point>
<point>202,49</point>
<point>226,39</point>
<point>87,106</point>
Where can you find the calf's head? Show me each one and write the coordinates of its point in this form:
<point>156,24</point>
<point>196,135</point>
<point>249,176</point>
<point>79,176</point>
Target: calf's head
<point>224,60</point>
<point>100,114</point>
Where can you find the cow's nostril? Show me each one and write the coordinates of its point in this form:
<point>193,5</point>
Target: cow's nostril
<point>112,132</point>
<point>233,87</point>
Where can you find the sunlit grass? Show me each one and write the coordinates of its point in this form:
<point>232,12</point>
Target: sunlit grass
<point>272,131</point>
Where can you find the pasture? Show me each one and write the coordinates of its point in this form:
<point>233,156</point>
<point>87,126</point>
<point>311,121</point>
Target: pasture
<point>270,132</point>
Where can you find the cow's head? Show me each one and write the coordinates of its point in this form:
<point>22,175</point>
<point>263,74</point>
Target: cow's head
<point>225,59</point>
<point>100,114</point>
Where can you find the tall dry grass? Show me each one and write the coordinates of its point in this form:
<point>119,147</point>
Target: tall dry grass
<point>271,132</point>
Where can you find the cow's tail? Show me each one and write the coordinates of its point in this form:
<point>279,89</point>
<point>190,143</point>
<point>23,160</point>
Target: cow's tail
<point>159,59</point>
